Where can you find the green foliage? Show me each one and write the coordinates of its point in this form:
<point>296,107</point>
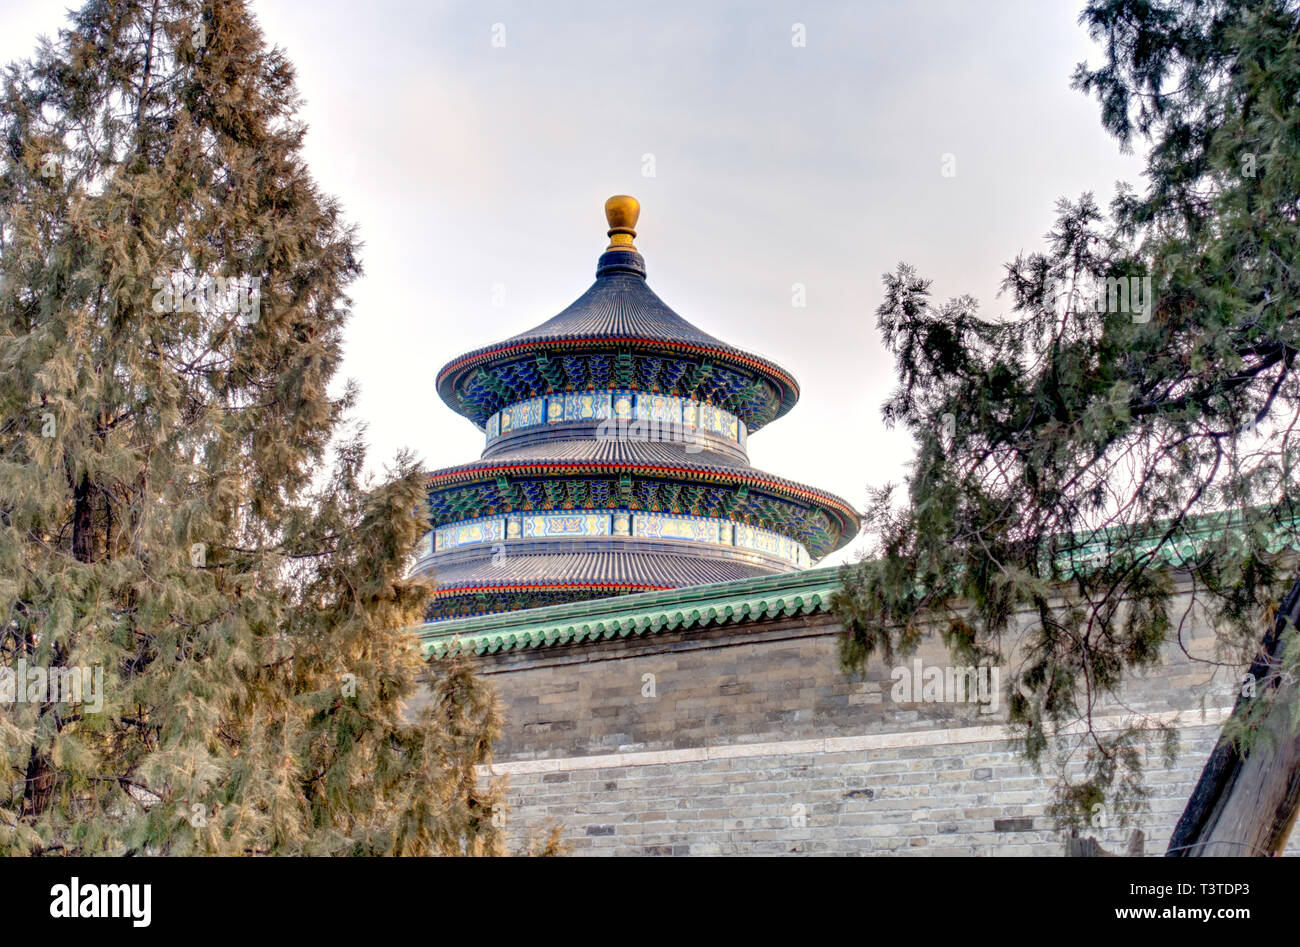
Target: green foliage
<point>1065,453</point>
<point>171,510</point>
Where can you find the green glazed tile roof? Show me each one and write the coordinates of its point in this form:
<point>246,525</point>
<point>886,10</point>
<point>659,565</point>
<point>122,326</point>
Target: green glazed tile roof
<point>1188,542</point>
<point>699,606</point>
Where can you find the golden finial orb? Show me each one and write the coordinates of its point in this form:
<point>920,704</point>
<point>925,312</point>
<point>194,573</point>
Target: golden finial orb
<point>622,212</point>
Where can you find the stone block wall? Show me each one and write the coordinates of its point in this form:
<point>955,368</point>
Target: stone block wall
<point>957,798</point>
<point>750,739</point>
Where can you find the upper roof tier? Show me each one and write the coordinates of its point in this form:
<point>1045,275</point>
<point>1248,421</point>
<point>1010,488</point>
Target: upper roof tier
<point>618,334</point>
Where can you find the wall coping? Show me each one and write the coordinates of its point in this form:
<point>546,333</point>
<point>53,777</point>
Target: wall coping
<point>697,606</point>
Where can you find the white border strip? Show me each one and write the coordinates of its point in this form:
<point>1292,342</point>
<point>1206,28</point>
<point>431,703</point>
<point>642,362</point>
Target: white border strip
<point>1213,716</point>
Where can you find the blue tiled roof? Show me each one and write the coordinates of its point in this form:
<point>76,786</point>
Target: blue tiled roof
<point>618,306</point>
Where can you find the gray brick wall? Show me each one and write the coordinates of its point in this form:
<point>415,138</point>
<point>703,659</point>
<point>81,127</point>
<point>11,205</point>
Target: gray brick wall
<point>754,741</point>
<point>969,799</point>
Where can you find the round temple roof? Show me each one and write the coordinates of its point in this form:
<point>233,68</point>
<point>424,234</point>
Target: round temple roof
<point>618,314</point>
<point>620,306</point>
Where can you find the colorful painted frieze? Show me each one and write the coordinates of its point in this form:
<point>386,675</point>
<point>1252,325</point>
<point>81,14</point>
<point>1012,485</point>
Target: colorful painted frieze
<point>710,419</point>
<point>774,544</point>
<point>621,405</point>
<point>596,523</point>
<point>565,524</point>
<point>528,413</point>
<point>662,409</point>
<point>586,405</point>
<point>658,526</point>
<point>472,531</point>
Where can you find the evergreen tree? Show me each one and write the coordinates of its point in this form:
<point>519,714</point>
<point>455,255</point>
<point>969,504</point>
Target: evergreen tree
<point>1140,404</point>
<point>172,513</point>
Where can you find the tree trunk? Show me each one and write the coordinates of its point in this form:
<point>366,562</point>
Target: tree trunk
<point>1089,847</point>
<point>1245,801</point>
<point>40,777</point>
<point>83,522</point>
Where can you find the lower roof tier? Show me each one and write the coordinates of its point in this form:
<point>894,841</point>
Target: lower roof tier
<point>506,582</point>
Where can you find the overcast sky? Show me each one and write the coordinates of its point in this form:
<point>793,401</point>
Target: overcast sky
<point>468,164</point>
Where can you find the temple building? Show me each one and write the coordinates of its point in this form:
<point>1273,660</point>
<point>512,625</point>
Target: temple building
<point>615,459</point>
<point>706,711</point>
